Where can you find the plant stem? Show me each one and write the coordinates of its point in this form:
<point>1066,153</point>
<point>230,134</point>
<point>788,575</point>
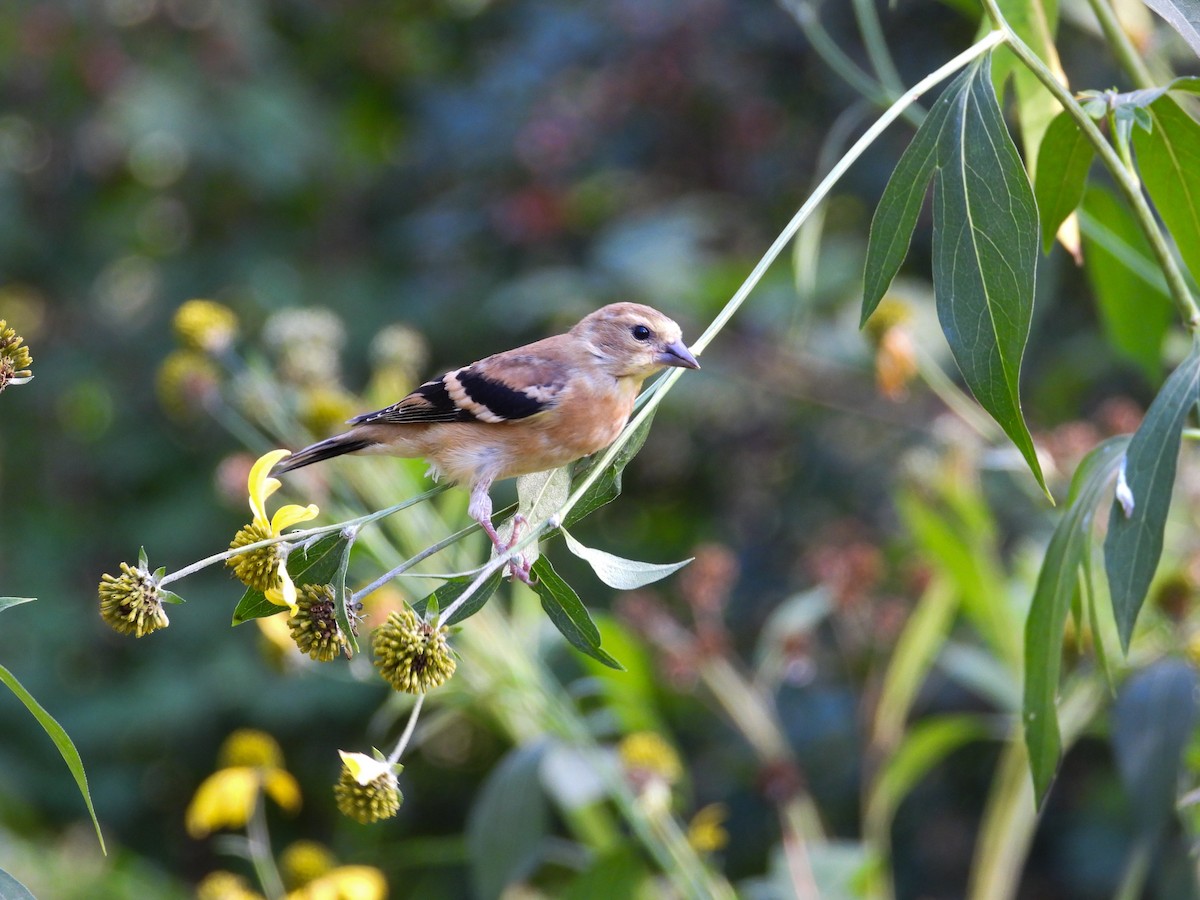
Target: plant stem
<point>293,536</point>
<point>1119,43</point>
<point>258,841</point>
<point>402,744</point>
<point>412,561</point>
<point>1127,184</point>
<point>877,48</point>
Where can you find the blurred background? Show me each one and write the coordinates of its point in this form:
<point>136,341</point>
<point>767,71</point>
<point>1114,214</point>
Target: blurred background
<point>484,173</point>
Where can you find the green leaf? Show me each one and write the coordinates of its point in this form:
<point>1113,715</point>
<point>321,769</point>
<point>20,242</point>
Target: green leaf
<point>1152,723</point>
<point>618,572</point>
<point>896,215</point>
<point>1057,583</point>
<point>11,889</point>
<point>1168,159</point>
<point>1062,170</point>
<point>608,486</point>
<point>926,745</point>
<point>344,615</point>
<point>1131,293</point>
<point>1035,22</point>
<point>452,590</point>
<point>317,563</point>
<point>61,740</point>
<point>6,602</point>
<point>568,613</point>
<point>618,872</point>
<point>508,823</point>
<point>1135,539</point>
<point>1183,16</point>
<point>985,240</point>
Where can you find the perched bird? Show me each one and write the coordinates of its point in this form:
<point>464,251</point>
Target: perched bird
<point>526,410</point>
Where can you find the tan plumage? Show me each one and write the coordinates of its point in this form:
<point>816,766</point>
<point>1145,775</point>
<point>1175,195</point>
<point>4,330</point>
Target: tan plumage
<point>526,410</point>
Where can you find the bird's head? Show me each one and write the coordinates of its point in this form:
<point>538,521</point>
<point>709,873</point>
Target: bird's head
<point>634,341</point>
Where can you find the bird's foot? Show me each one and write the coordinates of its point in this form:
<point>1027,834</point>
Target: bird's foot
<point>519,566</point>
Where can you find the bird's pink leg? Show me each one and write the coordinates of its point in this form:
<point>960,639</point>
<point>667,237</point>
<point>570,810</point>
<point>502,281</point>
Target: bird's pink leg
<point>480,509</point>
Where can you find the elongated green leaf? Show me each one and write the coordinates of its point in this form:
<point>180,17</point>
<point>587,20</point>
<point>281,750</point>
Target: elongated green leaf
<point>1152,724</point>
<point>11,889</point>
<point>6,602</point>
<point>61,740</point>
<point>317,564</point>
<point>452,590</point>
<point>618,572</point>
<point>345,616</point>
<point>1035,22</point>
<point>1168,158</point>
<point>1057,583</point>
<point>896,215</point>
<point>608,486</point>
<point>1135,536</point>
<point>985,242</point>
<point>1062,170</point>
<point>927,744</point>
<point>568,613</point>
<point>1183,16</point>
<point>508,823</point>
<point>1131,294</point>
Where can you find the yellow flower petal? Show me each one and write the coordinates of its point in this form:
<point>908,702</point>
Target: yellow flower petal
<point>362,768</point>
<point>285,594</point>
<point>260,486</point>
<point>282,788</point>
<point>224,799</point>
<point>345,883</point>
<point>292,514</point>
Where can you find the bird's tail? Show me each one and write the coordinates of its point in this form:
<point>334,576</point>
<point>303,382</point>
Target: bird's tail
<point>326,449</point>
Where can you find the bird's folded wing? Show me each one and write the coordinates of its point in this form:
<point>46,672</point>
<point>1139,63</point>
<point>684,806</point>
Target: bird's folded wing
<point>502,388</point>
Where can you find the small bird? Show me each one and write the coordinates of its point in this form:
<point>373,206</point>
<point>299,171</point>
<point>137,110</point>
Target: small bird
<point>526,410</point>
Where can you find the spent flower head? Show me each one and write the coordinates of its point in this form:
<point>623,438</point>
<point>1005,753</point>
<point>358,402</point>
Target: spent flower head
<point>205,325</point>
<point>265,569</point>
<point>132,602</point>
<point>314,626</point>
<point>14,357</point>
<point>411,654</point>
<point>367,790</point>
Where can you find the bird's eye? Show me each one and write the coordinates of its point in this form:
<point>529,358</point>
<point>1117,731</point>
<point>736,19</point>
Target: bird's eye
<point>641,333</point>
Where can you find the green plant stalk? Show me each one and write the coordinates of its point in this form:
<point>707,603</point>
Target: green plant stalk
<point>258,844</point>
<point>660,388</point>
<point>877,48</point>
<point>402,744</point>
<point>293,536</point>
<point>1129,186</point>
<point>1010,816</point>
<point>1118,41</point>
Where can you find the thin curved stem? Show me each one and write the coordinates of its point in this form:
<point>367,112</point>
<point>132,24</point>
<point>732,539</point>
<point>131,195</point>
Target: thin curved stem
<point>402,744</point>
<point>1127,55</point>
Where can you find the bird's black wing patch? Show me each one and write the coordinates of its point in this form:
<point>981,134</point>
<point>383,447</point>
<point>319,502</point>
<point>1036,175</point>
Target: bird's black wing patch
<point>496,401</point>
<point>429,403</point>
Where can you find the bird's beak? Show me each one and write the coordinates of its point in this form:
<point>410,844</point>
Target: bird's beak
<point>676,354</point>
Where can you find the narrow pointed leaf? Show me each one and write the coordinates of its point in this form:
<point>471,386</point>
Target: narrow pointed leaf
<point>1057,583</point>
<point>896,215</point>
<point>618,572</point>
<point>568,613</point>
<point>1183,16</point>
<point>1131,295</point>
<point>11,889</point>
<point>61,740</point>
<point>1062,170</point>
<point>316,564</point>
<point>1135,541</point>
<point>342,613</point>
<point>985,243</point>
<point>6,602</point>
<point>452,590</point>
<point>1168,159</point>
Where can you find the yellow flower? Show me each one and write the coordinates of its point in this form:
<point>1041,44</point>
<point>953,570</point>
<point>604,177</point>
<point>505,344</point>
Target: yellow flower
<point>647,755</point>
<point>14,357</point>
<point>345,883</point>
<point>253,764</point>
<point>706,832</point>
<point>225,886</point>
<point>265,569</point>
<point>205,325</point>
